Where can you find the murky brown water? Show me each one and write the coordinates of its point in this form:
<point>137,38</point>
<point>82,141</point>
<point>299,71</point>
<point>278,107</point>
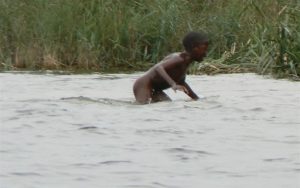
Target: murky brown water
<point>85,131</point>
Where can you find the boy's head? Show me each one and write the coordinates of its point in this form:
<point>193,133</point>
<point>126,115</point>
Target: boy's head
<point>196,44</point>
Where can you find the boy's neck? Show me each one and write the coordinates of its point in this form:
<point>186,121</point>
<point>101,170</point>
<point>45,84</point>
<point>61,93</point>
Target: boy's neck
<point>187,57</point>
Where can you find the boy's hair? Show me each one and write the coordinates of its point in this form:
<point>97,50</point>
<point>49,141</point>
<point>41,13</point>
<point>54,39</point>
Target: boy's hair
<point>193,39</point>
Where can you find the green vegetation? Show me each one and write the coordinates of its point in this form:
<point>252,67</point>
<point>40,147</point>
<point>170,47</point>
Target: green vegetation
<point>117,35</point>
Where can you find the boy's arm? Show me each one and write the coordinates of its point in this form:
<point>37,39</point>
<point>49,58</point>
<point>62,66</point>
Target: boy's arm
<point>162,72</point>
<point>190,92</point>
<point>170,63</point>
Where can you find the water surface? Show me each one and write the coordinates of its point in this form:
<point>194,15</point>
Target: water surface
<point>86,131</point>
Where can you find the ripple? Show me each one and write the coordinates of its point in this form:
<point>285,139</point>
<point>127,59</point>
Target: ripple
<point>106,101</point>
<point>141,186</point>
<point>40,122</point>
<point>185,151</point>
<point>81,179</point>
<point>204,107</point>
<point>92,130</point>
<point>25,174</point>
<point>283,141</point>
<point>113,162</point>
<point>85,165</point>
<point>162,185</point>
<point>26,112</point>
<point>88,128</point>
<point>13,118</point>
<point>275,159</point>
<point>158,131</point>
<point>227,173</point>
<point>153,120</point>
<point>109,77</point>
<point>257,109</point>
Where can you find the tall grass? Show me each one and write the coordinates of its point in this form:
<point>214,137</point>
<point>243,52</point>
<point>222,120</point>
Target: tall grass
<point>94,34</point>
<point>263,36</point>
<point>107,35</point>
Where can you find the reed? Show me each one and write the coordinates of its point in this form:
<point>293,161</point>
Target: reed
<point>115,35</point>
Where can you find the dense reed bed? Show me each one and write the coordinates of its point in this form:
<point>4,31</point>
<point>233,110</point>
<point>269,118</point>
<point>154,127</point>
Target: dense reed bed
<point>117,35</point>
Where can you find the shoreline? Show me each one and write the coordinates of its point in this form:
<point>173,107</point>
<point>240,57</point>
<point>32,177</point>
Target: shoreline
<point>70,72</point>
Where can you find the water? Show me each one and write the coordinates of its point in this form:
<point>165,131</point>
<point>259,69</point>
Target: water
<point>86,131</point>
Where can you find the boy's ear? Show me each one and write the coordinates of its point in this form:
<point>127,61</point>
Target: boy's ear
<point>203,45</point>
<point>195,46</point>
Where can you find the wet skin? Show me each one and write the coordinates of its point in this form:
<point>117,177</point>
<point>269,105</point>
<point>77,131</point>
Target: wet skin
<point>168,73</point>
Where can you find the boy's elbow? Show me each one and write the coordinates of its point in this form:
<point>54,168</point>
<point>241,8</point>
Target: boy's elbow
<point>158,68</point>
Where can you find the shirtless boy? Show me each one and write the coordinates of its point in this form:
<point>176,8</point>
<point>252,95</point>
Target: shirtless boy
<point>171,71</point>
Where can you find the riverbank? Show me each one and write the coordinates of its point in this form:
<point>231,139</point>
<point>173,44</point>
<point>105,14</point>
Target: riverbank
<point>110,35</point>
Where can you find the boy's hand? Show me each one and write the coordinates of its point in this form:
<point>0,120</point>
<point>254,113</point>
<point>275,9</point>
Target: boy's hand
<point>180,88</point>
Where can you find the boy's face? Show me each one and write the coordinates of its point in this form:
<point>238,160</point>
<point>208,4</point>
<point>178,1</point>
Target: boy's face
<point>199,51</point>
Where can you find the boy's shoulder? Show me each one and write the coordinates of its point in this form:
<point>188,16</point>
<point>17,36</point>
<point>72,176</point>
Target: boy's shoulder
<point>173,55</point>
<point>173,58</point>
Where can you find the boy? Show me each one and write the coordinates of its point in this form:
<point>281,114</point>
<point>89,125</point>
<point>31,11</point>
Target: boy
<point>171,71</point>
